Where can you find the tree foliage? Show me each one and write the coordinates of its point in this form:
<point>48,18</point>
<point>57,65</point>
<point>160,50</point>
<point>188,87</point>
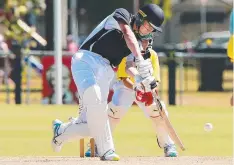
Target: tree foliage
<point>18,9</point>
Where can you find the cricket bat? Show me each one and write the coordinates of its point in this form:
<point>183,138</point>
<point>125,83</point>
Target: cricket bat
<point>34,34</point>
<point>168,124</point>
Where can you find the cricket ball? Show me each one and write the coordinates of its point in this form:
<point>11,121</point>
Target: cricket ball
<point>208,127</point>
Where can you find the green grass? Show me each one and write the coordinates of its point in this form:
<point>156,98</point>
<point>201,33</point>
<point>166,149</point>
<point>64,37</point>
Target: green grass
<point>26,131</point>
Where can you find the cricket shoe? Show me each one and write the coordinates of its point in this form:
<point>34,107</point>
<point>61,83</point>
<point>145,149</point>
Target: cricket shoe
<point>56,124</point>
<point>170,150</point>
<point>88,152</point>
<point>110,156</point>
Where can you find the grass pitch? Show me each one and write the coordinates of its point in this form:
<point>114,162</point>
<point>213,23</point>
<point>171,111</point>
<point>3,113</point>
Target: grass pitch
<point>26,131</point>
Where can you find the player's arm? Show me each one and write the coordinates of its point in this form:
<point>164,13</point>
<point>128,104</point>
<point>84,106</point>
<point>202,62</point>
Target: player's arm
<point>122,74</point>
<point>130,67</point>
<point>123,17</point>
<point>131,40</point>
<point>144,67</point>
<point>139,94</point>
<point>127,82</point>
<point>132,71</point>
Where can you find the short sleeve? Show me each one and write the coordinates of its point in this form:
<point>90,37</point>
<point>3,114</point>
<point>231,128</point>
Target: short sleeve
<point>122,15</point>
<point>121,69</point>
<point>155,63</point>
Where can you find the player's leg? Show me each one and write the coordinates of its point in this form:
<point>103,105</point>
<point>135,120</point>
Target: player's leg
<point>82,118</point>
<point>64,132</point>
<point>92,77</point>
<point>163,138</point>
<point>95,102</point>
<point>122,100</point>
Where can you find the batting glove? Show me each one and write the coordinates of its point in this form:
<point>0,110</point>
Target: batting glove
<point>144,67</point>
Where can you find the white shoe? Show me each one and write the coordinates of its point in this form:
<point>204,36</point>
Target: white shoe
<point>110,156</point>
<point>170,151</point>
<point>55,144</point>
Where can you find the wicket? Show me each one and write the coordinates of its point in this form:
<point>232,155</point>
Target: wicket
<point>92,147</point>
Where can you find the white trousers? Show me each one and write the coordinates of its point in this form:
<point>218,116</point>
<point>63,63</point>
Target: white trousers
<point>92,75</point>
<point>123,99</point>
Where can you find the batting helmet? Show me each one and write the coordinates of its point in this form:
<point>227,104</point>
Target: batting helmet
<point>153,14</point>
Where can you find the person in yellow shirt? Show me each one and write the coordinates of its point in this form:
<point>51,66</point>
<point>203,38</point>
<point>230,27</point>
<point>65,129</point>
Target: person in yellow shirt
<point>126,92</point>
<point>230,46</point>
<point>230,55</point>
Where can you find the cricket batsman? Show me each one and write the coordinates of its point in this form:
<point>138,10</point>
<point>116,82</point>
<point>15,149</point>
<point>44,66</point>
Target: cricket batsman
<point>92,70</point>
<point>125,93</point>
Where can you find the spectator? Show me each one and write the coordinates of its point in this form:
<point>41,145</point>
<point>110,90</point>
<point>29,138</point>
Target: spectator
<point>5,67</point>
<point>71,44</point>
<point>230,46</point>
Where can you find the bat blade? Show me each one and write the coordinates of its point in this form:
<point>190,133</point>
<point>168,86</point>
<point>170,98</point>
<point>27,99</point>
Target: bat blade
<point>168,124</point>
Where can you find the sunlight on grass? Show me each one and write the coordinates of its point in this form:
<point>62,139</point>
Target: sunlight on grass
<point>26,130</point>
